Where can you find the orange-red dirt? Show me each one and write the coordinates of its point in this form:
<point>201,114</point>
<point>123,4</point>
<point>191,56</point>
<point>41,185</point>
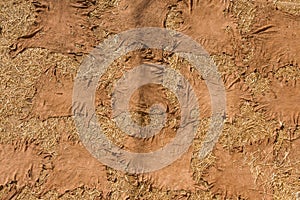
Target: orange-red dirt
<point>255,45</point>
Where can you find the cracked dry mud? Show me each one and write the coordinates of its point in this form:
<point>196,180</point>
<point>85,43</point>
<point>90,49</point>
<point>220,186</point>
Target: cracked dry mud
<point>253,43</point>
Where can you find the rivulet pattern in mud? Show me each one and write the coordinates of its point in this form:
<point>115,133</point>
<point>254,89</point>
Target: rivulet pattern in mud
<point>255,45</point>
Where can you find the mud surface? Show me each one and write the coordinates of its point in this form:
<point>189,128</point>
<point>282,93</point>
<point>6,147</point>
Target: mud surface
<point>253,43</point>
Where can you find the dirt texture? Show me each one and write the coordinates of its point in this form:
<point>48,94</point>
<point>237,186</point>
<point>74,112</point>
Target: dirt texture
<point>255,47</point>
<point>54,95</point>
<point>74,167</point>
<point>25,167</point>
<point>234,171</point>
<point>65,22</point>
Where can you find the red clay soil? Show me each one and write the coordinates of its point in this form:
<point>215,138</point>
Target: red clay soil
<point>234,176</point>
<point>75,167</point>
<point>274,38</point>
<point>25,167</point>
<point>61,26</point>
<point>281,102</point>
<point>53,95</point>
<point>177,176</point>
<point>266,46</point>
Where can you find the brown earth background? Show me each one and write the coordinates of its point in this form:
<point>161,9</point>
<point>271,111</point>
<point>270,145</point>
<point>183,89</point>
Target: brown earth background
<point>255,45</point>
